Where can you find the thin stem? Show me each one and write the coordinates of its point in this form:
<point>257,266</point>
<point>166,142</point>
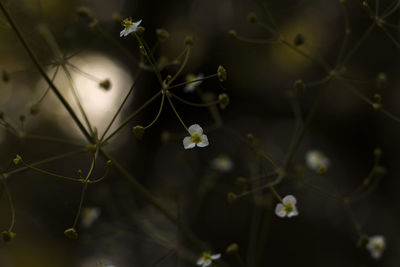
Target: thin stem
<point>347,33</point>
<point>84,187</point>
<point>133,115</point>
<point>53,139</point>
<point>51,173</point>
<point>10,202</point>
<point>192,81</point>
<point>185,60</point>
<point>176,113</point>
<point>359,43</point>
<point>55,158</point>
<point>77,98</point>
<point>43,73</point>
<point>256,41</point>
<point>85,74</point>
<point>121,105</point>
<point>158,114</point>
<point>389,12</point>
<point>201,105</point>
<point>48,88</point>
<point>394,41</point>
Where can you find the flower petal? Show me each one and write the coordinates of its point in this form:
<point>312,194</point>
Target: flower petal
<point>200,261</point>
<point>206,263</point>
<point>189,88</point>
<point>216,256</point>
<point>195,128</point>
<point>289,199</point>
<point>280,210</point>
<point>204,141</point>
<point>293,213</point>
<point>122,33</point>
<point>187,143</point>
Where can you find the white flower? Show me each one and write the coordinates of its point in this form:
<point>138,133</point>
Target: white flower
<point>206,259</point>
<point>129,27</point>
<point>376,245</point>
<point>222,163</point>
<point>191,86</point>
<point>196,137</point>
<point>89,216</point>
<point>287,207</point>
<point>317,161</point>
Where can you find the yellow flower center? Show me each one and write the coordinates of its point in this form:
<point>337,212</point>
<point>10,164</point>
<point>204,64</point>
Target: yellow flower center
<point>206,256</point>
<point>190,77</point>
<point>378,246</point>
<point>196,138</point>
<point>127,23</point>
<point>288,208</point>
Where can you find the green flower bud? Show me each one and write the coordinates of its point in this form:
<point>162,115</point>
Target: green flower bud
<point>189,40</point>
<point>298,40</point>
<point>17,159</point>
<point>34,109</point>
<point>106,84</point>
<point>138,131</point>
<point>223,100</point>
<point>381,80</point>
<point>162,35</point>
<point>83,12</point>
<point>5,76</point>
<point>109,163</point>
<point>140,30</point>
<point>221,73</point>
<point>231,197</point>
<point>232,248</point>
<point>8,236</point>
<point>299,86</point>
<point>71,233</point>
<point>232,33</point>
<point>377,104</point>
<point>363,241</point>
<point>91,148</point>
<point>252,17</point>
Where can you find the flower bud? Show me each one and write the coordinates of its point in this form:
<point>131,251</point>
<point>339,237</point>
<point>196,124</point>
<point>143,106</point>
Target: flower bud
<point>231,197</point>
<point>252,17</point>
<point>223,100</point>
<point>8,235</point>
<point>17,159</point>
<point>189,40</point>
<point>138,131</point>
<point>140,30</point>
<point>377,104</point>
<point>83,12</point>
<point>232,33</point>
<point>381,80</point>
<point>5,76</point>
<point>71,233</point>
<point>298,40</point>
<point>221,73</point>
<point>105,84</point>
<point>162,35</point>
<point>232,248</point>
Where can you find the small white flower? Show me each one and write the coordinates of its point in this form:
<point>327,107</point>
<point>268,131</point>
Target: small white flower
<point>196,137</point>
<point>191,86</point>
<point>376,245</point>
<point>89,216</point>
<point>222,163</point>
<point>287,207</point>
<point>129,27</point>
<point>206,259</point>
<point>317,161</point>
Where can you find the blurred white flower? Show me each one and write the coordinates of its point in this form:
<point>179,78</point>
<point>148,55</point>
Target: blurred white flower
<point>287,207</point>
<point>317,161</point>
<point>222,163</point>
<point>376,245</point>
<point>89,216</point>
<point>196,137</point>
<point>191,86</point>
<point>206,259</point>
<point>129,27</point>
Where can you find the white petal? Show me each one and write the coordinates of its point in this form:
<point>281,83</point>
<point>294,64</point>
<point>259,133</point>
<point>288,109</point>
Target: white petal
<point>216,256</point>
<point>289,199</point>
<point>204,141</point>
<point>293,213</point>
<point>122,33</point>
<point>187,143</point>
<point>206,263</point>
<point>189,88</point>
<point>376,254</point>
<point>195,128</point>
<point>200,261</point>
<point>280,210</point>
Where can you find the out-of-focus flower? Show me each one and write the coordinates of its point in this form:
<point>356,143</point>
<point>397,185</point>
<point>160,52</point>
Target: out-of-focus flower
<point>376,245</point>
<point>89,216</point>
<point>196,138</point>
<point>207,258</point>
<point>192,85</point>
<point>129,26</point>
<point>317,161</point>
<point>287,207</point>
<point>222,163</point>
